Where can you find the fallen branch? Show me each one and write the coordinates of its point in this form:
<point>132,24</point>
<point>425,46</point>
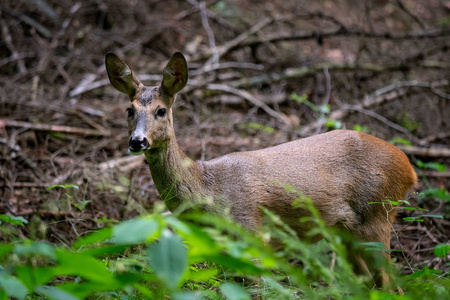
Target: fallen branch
<point>380,96</point>
<point>129,162</point>
<point>296,73</point>
<point>436,174</point>
<point>249,97</point>
<point>55,128</point>
<point>342,31</point>
<point>425,151</point>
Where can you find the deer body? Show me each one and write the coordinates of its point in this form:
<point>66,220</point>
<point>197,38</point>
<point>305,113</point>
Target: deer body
<point>342,171</point>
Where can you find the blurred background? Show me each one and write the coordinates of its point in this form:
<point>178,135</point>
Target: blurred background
<point>261,73</point>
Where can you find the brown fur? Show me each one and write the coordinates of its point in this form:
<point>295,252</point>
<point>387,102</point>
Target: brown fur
<point>342,171</point>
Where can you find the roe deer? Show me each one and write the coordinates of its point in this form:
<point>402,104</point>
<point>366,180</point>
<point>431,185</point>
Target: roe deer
<point>341,171</point>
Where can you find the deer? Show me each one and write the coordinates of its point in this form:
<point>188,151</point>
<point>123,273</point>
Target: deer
<point>342,171</point>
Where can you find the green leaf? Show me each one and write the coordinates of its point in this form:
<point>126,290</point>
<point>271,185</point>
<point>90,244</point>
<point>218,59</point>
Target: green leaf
<point>442,250</point>
<point>64,186</point>
<point>96,237</point>
<point>190,295</point>
<point>374,245</point>
<point>29,248</point>
<point>168,259</point>
<point>436,193</point>
<point>233,291</point>
<point>136,231</point>
<point>361,128</point>
<point>203,275</point>
<point>433,216</point>
<point>431,165</point>
<point>400,141</point>
<point>54,293</point>
<point>413,219</point>
<point>13,287</point>
<point>5,249</point>
<point>422,273</point>
<point>32,276</point>
<point>82,265</point>
<point>13,220</point>
<point>330,123</point>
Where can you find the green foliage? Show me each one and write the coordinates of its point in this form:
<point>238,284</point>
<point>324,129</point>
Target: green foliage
<point>322,109</point>
<point>445,21</point>
<point>434,193</point>
<point>409,123</point>
<point>400,141</point>
<point>442,250</point>
<point>361,128</point>
<point>71,195</point>
<point>202,256</point>
<point>253,127</point>
<point>431,165</point>
<point>13,220</point>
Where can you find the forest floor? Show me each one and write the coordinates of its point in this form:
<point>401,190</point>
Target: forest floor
<point>377,66</point>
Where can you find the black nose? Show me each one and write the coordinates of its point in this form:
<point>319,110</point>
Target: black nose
<point>137,144</point>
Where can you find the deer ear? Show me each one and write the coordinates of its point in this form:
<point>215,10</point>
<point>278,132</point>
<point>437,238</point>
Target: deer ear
<point>175,75</point>
<point>120,75</point>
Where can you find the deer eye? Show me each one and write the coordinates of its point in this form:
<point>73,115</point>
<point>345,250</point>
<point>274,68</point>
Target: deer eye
<point>161,112</point>
<point>130,112</point>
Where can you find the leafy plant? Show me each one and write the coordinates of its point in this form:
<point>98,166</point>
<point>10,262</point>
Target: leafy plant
<point>322,109</point>
<point>70,194</point>
<point>201,256</point>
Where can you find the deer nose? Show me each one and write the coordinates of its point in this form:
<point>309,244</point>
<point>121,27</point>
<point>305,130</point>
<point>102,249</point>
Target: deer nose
<point>138,144</point>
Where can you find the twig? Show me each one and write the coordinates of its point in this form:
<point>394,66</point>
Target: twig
<point>9,43</point>
<point>118,162</point>
<point>295,73</point>
<point>342,31</point>
<point>226,65</point>
<point>326,99</point>
<point>45,8</point>
<point>87,84</point>
<point>437,174</point>
<point>380,118</point>
<point>26,19</point>
<point>66,22</point>
<point>55,128</point>
<point>380,96</point>
<point>429,139</point>
<point>246,95</point>
<point>409,13</point>
<point>225,48</point>
<point>425,151</point>
<point>219,19</point>
<point>209,32</point>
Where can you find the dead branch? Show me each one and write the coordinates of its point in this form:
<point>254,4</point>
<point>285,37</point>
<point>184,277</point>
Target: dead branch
<point>296,73</point>
<point>342,31</point>
<point>28,20</point>
<point>437,174</point>
<point>129,162</point>
<point>239,40</point>
<point>55,128</point>
<point>380,96</point>
<point>426,151</point>
<point>249,97</point>
<point>382,119</point>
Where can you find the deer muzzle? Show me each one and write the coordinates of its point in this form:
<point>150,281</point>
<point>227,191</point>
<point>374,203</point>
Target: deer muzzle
<point>137,145</point>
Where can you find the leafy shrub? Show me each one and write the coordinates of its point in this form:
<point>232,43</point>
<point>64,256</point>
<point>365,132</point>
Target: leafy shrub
<point>199,256</point>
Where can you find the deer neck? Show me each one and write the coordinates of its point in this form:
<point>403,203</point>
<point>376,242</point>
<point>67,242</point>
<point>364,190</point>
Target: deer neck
<point>178,179</point>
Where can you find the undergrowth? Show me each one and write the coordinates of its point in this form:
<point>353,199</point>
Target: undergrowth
<point>200,256</point>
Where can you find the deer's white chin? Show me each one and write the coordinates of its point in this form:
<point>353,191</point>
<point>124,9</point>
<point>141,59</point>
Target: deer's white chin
<point>135,152</point>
